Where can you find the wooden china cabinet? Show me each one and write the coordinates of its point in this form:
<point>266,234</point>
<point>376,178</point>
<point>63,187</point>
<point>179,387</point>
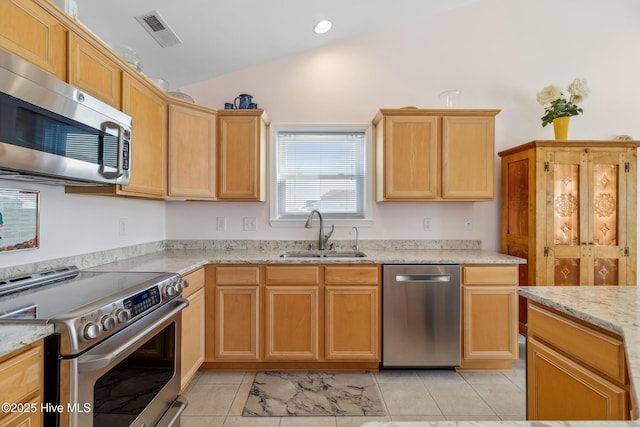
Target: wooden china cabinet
<point>569,208</point>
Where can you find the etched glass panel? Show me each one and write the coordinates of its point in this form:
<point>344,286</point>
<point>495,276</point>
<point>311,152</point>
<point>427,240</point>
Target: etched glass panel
<point>566,272</point>
<point>605,272</point>
<point>566,203</point>
<point>518,184</point>
<point>605,205</point>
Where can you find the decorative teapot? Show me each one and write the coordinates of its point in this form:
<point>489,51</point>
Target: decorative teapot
<point>243,101</point>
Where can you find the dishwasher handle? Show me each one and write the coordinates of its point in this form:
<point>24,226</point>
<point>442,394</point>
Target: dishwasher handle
<point>423,278</point>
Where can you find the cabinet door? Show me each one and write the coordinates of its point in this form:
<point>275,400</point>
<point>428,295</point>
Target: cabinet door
<point>468,158</point>
<point>236,323</point>
<point>31,33</point>
<point>489,316</point>
<point>192,348</point>
<point>560,389</point>
<point>192,145</point>
<point>409,153</point>
<point>586,219</point>
<point>148,140</point>
<point>490,323</point>
<point>241,156</point>
<point>93,72</point>
<point>351,322</point>
<point>291,323</point>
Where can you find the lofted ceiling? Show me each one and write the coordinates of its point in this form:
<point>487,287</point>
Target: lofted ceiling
<point>220,37</point>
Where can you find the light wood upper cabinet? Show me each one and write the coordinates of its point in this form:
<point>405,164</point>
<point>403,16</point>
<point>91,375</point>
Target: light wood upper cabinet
<point>426,155</point>
<point>489,316</point>
<point>192,151</point>
<point>35,35</point>
<point>21,382</point>
<point>242,141</point>
<point>575,371</point>
<point>407,157</point>
<point>92,71</point>
<point>148,111</point>
<point>468,158</point>
<point>569,208</point>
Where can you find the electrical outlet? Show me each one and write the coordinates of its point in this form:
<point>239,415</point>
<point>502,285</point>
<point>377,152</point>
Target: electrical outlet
<point>123,227</point>
<point>221,223</point>
<point>426,224</point>
<point>468,224</point>
<point>249,223</point>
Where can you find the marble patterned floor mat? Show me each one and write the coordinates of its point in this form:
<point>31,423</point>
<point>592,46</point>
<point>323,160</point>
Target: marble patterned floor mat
<point>290,394</point>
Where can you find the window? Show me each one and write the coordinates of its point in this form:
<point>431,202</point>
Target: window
<point>319,168</point>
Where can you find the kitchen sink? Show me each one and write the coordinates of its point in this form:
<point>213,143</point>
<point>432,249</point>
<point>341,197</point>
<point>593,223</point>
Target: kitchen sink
<point>300,254</point>
<point>322,254</point>
<point>346,254</point>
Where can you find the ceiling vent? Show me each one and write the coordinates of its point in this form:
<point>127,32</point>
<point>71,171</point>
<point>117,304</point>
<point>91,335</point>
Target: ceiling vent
<point>155,25</point>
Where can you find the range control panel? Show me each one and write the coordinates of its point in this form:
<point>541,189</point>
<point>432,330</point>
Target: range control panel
<point>143,301</point>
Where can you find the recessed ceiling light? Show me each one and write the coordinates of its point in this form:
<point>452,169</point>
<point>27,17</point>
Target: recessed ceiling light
<point>322,27</point>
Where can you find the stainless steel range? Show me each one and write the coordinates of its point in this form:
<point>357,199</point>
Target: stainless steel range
<point>114,357</point>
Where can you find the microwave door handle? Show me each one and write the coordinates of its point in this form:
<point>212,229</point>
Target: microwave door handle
<point>118,173</point>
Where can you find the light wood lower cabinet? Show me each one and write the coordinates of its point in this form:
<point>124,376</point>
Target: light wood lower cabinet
<point>489,316</point>
<point>293,316</point>
<point>575,371</point>
<point>193,321</point>
<point>21,382</point>
<point>352,313</point>
<point>233,313</point>
<point>291,312</point>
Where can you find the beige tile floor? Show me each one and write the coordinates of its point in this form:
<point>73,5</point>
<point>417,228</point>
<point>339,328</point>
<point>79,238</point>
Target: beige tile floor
<point>216,399</point>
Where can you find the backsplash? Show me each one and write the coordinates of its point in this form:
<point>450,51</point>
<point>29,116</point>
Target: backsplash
<point>94,259</point>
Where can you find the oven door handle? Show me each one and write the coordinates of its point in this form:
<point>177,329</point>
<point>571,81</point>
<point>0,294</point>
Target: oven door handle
<point>99,361</point>
<point>171,418</point>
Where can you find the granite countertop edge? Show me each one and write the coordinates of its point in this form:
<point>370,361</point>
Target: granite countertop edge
<point>14,336</point>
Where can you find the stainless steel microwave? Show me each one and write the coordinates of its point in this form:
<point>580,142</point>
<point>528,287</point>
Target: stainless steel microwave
<point>51,132</point>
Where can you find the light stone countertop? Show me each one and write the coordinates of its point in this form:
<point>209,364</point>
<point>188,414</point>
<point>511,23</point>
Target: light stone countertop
<point>14,336</point>
<point>185,260</point>
<point>615,308</point>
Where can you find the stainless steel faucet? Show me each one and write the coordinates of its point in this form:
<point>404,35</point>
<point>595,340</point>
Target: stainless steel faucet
<point>322,239</point>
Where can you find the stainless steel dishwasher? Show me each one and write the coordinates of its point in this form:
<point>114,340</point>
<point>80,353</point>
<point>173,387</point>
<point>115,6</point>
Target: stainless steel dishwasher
<point>420,316</point>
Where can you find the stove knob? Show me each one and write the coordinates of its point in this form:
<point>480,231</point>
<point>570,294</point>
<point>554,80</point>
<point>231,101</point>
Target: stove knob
<point>181,285</point>
<point>169,290</point>
<point>122,315</point>
<point>108,322</point>
<point>90,331</point>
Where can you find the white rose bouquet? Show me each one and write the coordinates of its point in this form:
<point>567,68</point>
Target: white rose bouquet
<point>556,104</point>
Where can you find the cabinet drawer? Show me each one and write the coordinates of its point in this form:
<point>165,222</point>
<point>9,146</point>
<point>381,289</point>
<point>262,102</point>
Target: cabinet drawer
<point>196,282</point>
<point>490,275</point>
<point>249,275</point>
<point>292,275</point>
<point>351,275</point>
<point>21,375</point>
<point>593,348</point>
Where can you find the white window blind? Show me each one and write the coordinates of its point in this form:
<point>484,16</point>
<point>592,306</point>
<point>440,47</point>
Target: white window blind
<point>320,170</point>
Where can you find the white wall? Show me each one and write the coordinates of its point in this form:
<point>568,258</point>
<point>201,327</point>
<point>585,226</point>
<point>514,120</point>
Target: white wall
<point>499,53</point>
<point>77,224</point>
